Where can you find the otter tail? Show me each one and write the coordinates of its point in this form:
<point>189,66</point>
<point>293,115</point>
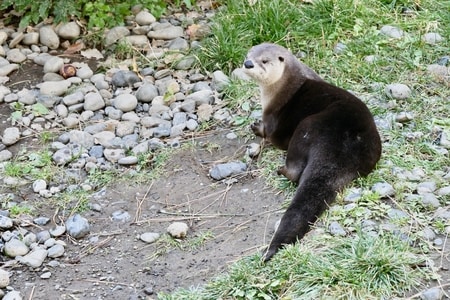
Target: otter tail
<point>314,194</point>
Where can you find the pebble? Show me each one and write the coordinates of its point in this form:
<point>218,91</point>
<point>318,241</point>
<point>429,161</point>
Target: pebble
<point>383,189</point>
<point>4,278</point>
<point>48,37</point>
<point>178,230</point>
<point>13,295</point>
<point>56,251</point>
<point>125,102</point>
<point>121,216</point>
<point>15,247</point>
<point>149,237</point>
<point>11,135</point>
<point>336,229</point>
<point>434,293</point>
<point>432,38</point>
<point>39,185</point>
<point>77,226</point>
<point>5,222</point>
<point>33,259</point>
<point>398,91</point>
<point>391,31</point>
<point>225,170</point>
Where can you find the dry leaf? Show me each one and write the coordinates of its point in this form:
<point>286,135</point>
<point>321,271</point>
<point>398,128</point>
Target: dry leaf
<point>74,48</point>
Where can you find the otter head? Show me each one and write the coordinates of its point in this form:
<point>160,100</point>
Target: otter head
<point>265,63</point>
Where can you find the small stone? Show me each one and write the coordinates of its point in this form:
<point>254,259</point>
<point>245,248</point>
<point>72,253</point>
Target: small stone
<point>435,293</point>
<point>16,56</point>
<point>42,236</point>
<point>115,34</point>
<point>146,93</point>
<point>41,221</point>
<point>11,136</point>
<point>53,65</point>
<point>391,31</point>
<point>54,88</point>
<point>336,229</point>
<point>224,170</point>
<point>253,149</point>
<point>93,101</point>
<point>113,155</point>
<point>12,295</point>
<point>178,230</point>
<point>39,185</point>
<point>14,248</point>
<point>57,231</point>
<point>383,189</point>
<point>33,259</point>
<point>220,81</point>
<point>4,278</point>
<point>121,216</point>
<point>5,155</point>
<point>77,226</point>
<point>125,102</point>
<point>48,37</point>
<point>149,237</point>
<point>69,30</point>
<point>432,38</point>
<point>123,78</point>
<point>128,160</point>
<point>398,91</point>
<point>56,251</point>
<point>165,31</point>
<point>5,222</point>
<point>145,18</point>
<point>46,275</point>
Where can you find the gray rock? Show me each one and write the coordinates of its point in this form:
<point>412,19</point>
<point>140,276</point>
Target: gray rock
<point>165,31</point>
<point>43,236</point>
<point>398,91</point>
<point>57,231</point>
<point>54,88</point>
<point>121,216</point>
<point>123,78</point>
<point>93,101</point>
<point>201,97</point>
<point>11,135</point>
<point>4,279</point>
<point>340,48</point>
<point>128,160</point>
<point>15,247</point>
<point>125,102</point>
<point>178,230</point>
<point>34,259</point>
<point>113,155</point>
<point>115,34</point>
<point>185,63</point>
<point>125,128</point>
<point>30,38</point>
<point>429,199</point>
<point>53,65</point>
<point>146,93</point>
<point>178,44</point>
<point>73,98</point>
<point>383,189</point>
<point>391,31</point>
<point>82,138</point>
<point>13,295</point>
<point>397,214</point>
<point>77,226</point>
<point>69,30</point>
<point>224,170</point>
<point>144,18</point>
<point>434,293</point>
<point>15,56</point>
<point>138,41</point>
<point>426,187</point>
<point>149,237</point>
<point>39,185</point>
<point>220,81</point>
<point>432,38</point>
<point>27,97</point>
<point>5,222</point>
<point>56,251</point>
<point>48,37</point>
<point>5,155</point>
<point>444,191</point>
<point>5,70</point>
<point>336,229</point>
<point>104,138</point>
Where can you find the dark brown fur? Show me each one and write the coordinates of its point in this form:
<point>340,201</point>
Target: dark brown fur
<point>330,138</point>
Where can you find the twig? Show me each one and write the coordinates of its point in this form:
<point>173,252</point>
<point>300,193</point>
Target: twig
<point>108,282</point>
<point>184,217</point>
<point>32,293</point>
<point>441,286</point>
<point>138,213</point>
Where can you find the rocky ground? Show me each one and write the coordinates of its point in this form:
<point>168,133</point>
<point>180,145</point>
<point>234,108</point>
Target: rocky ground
<point>105,115</point>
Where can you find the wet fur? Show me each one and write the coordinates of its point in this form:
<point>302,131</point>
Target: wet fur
<point>329,135</point>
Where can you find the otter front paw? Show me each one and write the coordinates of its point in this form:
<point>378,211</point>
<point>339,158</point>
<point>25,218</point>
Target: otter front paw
<point>258,128</point>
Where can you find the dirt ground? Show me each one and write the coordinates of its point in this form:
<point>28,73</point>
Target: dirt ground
<point>234,219</point>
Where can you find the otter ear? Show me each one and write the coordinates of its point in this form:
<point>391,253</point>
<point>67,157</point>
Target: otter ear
<point>281,58</point>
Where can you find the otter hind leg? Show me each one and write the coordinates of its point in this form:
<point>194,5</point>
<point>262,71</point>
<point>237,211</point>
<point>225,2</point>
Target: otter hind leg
<point>292,173</point>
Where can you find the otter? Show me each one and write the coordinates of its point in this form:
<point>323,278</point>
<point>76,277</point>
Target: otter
<point>329,134</point>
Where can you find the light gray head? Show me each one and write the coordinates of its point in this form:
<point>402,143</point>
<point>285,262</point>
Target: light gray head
<point>265,63</point>
<point>268,63</point>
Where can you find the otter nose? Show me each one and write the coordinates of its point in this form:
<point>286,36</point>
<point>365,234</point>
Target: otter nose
<point>248,64</point>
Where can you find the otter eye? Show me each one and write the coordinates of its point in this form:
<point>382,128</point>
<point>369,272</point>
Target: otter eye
<point>281,58</point>
<point>265,61</point>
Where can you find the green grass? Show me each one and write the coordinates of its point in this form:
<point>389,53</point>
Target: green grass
<point>361,267</point>
<point>358,266</point>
